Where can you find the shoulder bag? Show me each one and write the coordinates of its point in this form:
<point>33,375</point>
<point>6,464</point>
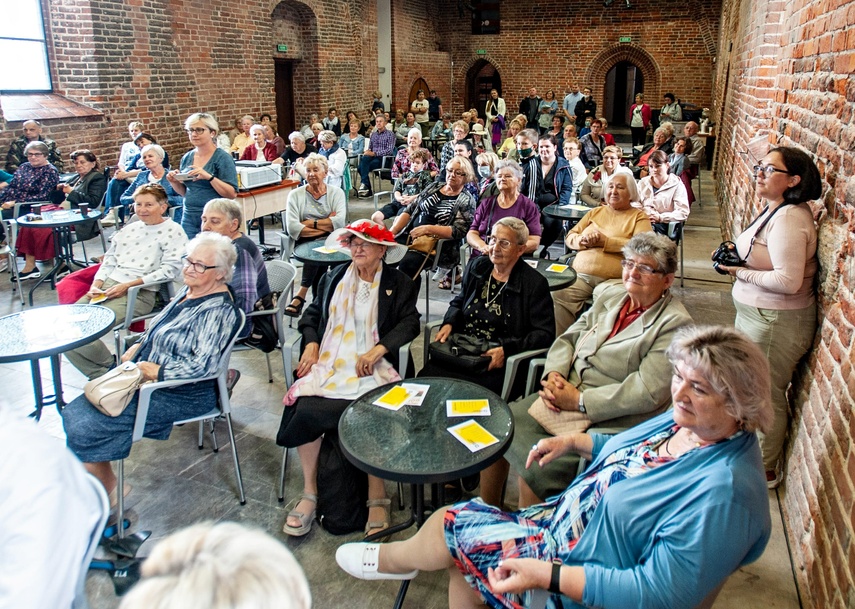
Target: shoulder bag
<point>112,392</point>
<point>462,352</point>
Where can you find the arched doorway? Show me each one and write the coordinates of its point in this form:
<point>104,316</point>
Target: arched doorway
<point>623,81</point>
<point>296,69</point>
<point>481,78</point>
<point>646,74</point>
<point>419,83</point>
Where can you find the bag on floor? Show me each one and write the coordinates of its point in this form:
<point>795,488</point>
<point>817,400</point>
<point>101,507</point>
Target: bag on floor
<point>264,334</point>
<point>342,490</point>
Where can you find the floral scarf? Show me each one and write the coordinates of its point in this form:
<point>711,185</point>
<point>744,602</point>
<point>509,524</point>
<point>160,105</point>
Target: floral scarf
<point>334,375</point>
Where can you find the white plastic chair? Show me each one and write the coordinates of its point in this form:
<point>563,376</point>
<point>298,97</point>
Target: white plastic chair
<point>120,332</point>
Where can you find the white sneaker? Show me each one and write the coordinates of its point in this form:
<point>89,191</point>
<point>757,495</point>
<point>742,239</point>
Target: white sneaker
<point>361,559</point>
<point>109,220</point>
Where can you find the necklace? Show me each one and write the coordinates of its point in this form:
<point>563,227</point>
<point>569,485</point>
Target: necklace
<point>490,303</point>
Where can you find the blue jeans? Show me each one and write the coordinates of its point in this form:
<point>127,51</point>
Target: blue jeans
<point>366,165</point>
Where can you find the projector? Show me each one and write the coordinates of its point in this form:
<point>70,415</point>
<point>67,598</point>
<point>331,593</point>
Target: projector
<point>254,177</point>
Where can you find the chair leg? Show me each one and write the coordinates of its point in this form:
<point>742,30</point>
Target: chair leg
<point>214,437</point>
<point>201,442</point>
<point>682,257</point>
<point>120,499</point>
<point>400,496</point>
<point>427,296</point>
<point>242,496</point>
<point>269,368</point>
<point>282,475</point>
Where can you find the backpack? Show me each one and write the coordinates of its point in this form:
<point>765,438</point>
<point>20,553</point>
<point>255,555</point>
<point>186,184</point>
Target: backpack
<point>264,335</point>
<point>342,490</point>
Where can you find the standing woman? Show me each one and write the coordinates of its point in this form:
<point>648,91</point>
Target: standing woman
<point>774,291</point>
<point>335,156</point>
<point>211,171</point>
<point>495,111</point>
<point>639,120</point>
<point>554,185</point>
<point>548,108</point>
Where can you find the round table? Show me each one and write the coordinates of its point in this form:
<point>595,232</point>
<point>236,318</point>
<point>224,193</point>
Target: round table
<point>305,252</point>
<point>568,213</point>
<point>48,332</point>
<point>556,281</point>
<point>60,221</point>
<point>413,445</point>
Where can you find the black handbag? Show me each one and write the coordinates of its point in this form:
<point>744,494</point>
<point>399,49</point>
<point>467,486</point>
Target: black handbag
<point>462,352</point>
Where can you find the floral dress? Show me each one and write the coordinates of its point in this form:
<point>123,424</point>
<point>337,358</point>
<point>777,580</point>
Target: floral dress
<point>479,536</point>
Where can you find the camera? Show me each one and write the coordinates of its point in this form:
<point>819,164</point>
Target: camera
<point>726,255</point>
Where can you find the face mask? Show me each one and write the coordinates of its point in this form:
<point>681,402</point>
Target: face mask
<point>484,171</point>
<point>526,152</point>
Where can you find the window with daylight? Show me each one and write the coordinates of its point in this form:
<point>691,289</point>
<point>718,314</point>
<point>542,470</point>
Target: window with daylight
<point>22,37</point>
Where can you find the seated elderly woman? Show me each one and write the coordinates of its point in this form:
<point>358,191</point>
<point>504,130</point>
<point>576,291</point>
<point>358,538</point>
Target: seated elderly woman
<point>86,188</point>
<point>599,238</point>
<point>249,281</point>
<point>593,187</point>
<point>185,341</point>
<point>408,185</point>
<point>154,173</point>
<point>403,157</point>
<point>335,156</point>
<point>509,203</point>
<point>608,368</point>
<point>34,181</point>
<point>504,302</point>
<point>260,149</point>
<point>147,251</point>
<point>124,176</point>
<point>362,314</point>
<point>441,211</point>
<point>314,211</point>
<point>486,164</point>
<point>660,142</point>
<point>459,131</point>
<point>662,195</point>
<point>663,515</point>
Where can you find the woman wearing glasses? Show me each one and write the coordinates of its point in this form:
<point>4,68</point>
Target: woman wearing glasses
<point>185,341</point>
<point>774,290</point>
<point>206,173</point>
<point>503,301</point>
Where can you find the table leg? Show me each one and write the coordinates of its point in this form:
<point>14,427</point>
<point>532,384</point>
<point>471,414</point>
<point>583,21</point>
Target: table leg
<point>37,388</point>
<point>59,260</point>
<point>261,230</point>
<point>57,383</point>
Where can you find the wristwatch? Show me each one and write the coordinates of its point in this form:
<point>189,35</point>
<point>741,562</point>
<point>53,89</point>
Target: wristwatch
<point>555,580</point>
<point>582,403</point>
<point>211,179</point>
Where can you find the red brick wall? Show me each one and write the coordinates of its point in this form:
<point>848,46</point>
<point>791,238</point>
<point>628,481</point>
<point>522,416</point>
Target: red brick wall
<point>785,77</point>
<point>159,61</point>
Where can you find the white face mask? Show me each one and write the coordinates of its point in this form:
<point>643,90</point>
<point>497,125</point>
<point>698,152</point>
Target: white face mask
<point>484,171</point>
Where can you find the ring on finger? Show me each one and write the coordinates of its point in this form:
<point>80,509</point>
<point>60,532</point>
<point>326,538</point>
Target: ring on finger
<point>535,449</point>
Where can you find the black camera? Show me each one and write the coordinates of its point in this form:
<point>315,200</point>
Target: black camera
<point>726,255</point>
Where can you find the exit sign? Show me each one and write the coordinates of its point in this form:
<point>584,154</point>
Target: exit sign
<point>625,39</point>
<point>281,48</point>
<point>480,51</point>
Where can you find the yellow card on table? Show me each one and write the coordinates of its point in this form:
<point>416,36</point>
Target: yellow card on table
<point>472,435</point>
<point>467,408</point>
<point>394,398</point>
<point>557,268</point>
<point>325,250</point>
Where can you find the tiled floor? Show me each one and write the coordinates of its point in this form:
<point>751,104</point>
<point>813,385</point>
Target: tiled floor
<point>175,484</point>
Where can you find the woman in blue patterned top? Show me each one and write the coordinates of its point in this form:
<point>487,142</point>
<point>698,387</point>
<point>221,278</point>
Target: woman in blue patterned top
<point>690,507</point>
<point>185,341</point>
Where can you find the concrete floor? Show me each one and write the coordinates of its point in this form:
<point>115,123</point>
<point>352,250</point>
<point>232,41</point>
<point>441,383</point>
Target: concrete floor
<point>175,484</point>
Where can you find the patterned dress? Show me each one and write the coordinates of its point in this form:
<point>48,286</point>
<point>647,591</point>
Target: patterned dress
<point>479,535</point>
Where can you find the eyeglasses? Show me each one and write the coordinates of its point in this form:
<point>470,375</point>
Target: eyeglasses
<point>358,245</point>
<point>768,170</point>
<point>196,130</point>
<point>501,243</point>
<point>29,154</point>
<point>644,269</point>
<point>458,173</point>
<point>197,267</point>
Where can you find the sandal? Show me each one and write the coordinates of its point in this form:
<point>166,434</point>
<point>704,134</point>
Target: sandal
<point>445,284</point>
<point>293,310</point>
<point>376,524</point>
<point>305,519</point>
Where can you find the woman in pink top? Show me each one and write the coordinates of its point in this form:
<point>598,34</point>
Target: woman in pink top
<point>773,293</point>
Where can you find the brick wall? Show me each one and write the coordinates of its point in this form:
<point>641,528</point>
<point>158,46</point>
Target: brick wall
<point>160,60</point>
<point>784,76</point>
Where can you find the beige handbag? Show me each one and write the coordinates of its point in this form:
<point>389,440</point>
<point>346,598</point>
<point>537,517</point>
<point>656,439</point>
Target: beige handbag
<point>112,392</point>
<point>557,423</point>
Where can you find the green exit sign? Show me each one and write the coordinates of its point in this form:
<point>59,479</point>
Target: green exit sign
<point>282,48</point>
<point>480,51</point>
<point>625,39</point>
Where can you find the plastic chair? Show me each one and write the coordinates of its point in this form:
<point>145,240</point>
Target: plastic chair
<point>120,332</point>
<point>384,172</point>
<point>221,409</point>
<point>512,362</point>
<point>675,234</point>
<point>377,196</point>
<point>280,277</point>
<point>9,251</point>
<point>403,362</point>
<point>80,601</point>
<point>440,245</point>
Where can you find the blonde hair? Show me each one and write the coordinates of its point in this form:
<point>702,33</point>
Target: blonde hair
<point>220,566</point>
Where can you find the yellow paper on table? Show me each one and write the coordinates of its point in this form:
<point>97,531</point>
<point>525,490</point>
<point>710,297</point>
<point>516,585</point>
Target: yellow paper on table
<point>557,268</point>
<point>472,435</point>
<point>325,250</point>
<point>577,207</point>
<point>467,408</point>
<point>394,398</point>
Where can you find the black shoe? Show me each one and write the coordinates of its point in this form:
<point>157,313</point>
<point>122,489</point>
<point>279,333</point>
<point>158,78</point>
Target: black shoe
<point>34,274</point>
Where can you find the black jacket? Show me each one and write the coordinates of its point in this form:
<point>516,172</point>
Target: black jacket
<point>585,109</point>
<point>527,309</point>
<point>397,317</point>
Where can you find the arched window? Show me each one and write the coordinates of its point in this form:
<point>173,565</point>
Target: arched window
<point>22,36</point>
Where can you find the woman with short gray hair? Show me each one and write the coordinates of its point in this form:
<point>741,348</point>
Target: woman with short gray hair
<point>336,158</point>
<point>154,173</point>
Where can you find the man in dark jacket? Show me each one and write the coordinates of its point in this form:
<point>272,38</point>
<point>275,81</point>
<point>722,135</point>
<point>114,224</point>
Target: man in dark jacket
<point>530,107</point>
<point>586,108</point>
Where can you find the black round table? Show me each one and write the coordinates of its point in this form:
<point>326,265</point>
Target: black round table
<point>60,221</point>
<point>413,445</point>
<point>305,252</point>
<point>569,213</point>
<point>556,281</point>
<point>48,332</point>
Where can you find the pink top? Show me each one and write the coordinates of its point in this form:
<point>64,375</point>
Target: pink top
<point>780,270</point>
